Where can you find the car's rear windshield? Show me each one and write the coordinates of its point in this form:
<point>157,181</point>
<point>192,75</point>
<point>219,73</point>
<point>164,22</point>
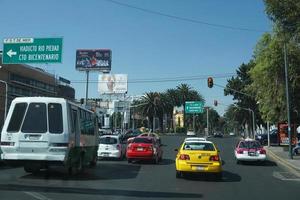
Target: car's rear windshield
<point>199,146</point>
<point>108,140</point>
<point>142,140</point>
<point>249,144</point>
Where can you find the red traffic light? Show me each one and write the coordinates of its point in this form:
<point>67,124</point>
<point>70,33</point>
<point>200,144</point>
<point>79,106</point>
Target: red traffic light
<point>210,82</point>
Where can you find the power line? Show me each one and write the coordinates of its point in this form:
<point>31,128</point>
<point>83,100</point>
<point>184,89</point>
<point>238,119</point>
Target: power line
<point>161,80</point>
<point>186,19</point>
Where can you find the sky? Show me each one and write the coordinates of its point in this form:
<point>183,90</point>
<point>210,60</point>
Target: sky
<point>145,45</point>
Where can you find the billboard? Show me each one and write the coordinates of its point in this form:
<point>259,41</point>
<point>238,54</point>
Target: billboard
<point>112,83</point>
<point>93,59</point>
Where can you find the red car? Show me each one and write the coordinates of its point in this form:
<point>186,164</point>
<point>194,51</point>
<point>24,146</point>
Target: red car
<point>144,148</point>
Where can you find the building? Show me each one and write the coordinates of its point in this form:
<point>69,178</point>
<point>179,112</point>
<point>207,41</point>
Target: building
<point>24,80</point>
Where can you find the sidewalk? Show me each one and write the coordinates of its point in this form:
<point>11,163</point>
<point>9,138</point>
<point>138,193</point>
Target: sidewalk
<point>281,157</point>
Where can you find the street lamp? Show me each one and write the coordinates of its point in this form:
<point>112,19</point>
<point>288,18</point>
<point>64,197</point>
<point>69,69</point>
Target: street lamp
<point>5,107</point>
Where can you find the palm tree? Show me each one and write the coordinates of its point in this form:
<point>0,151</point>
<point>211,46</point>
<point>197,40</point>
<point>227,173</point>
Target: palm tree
<point>152,106</point>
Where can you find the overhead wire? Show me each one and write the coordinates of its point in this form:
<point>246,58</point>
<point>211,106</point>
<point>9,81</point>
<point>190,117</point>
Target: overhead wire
<point>161,79</point>
<point>195,21</point>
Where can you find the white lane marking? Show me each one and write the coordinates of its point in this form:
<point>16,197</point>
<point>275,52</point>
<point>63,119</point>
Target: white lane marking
<point>37,195</point>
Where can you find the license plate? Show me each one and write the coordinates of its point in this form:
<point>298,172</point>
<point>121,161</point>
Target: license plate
<point>199,168</point>
<point>105,154</point>
<point>34,137</point>
<point>140,149</point>
<point>252,154</point>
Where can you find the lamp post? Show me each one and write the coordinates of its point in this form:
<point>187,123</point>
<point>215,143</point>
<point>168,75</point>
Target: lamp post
<point>5,106</point>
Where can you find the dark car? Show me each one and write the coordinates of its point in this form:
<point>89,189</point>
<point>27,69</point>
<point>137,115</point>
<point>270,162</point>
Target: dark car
<point>218,134</point>
<point>130,133</point>
<point>263,138</point>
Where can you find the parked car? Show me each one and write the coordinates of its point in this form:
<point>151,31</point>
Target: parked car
<point>198,157</point>
<point>263,138</point>
<point>144,148</point>
<point>110,146</point>
<point>249,150</point>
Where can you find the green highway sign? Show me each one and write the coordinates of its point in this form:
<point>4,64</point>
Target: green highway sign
<point>194,107</point>
<point>32,50</point>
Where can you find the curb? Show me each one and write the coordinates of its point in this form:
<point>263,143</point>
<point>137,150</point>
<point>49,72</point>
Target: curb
<point>293,169</point>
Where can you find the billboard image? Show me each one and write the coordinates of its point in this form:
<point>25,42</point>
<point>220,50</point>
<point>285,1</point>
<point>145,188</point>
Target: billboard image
<point>93,59</point>
<point>112,83</point>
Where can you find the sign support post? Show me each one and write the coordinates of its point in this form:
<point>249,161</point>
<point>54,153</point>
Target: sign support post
<point>87,86</point>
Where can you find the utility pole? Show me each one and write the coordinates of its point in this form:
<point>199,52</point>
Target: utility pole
<point>287,100</point>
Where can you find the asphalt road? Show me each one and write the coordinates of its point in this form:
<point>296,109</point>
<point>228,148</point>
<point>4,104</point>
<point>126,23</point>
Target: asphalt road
<point>120,180</point>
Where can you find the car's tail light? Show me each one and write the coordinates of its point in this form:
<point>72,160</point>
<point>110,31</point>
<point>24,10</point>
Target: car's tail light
<point>214,158</point>
<point>184,157</point>
<point>240,151</point>
<point>262,151</point>
<point>7,143</point>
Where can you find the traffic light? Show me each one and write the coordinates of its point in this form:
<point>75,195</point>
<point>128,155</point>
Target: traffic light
<point>210,82</point>
<point>215,102</point>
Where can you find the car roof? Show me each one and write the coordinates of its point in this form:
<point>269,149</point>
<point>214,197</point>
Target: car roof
<point>195,139</point>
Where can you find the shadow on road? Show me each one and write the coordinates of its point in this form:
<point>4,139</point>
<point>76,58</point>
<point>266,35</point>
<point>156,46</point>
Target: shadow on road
<point>227,177</point>
<point>103,171</point>
<point>105,192</point>
<point>150,162</point>
<point>267,163</point>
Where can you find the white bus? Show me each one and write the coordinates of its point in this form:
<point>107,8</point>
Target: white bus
<point>43,131</point>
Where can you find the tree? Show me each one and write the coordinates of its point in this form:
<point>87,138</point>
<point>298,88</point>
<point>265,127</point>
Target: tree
<point>238,87</point>
<point>151,106</point>
<point>269,78</point>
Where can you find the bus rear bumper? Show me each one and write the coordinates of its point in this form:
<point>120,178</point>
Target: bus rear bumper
<point>31,156</point>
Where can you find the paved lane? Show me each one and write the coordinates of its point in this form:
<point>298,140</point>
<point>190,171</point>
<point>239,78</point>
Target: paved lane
<point>120,180</point>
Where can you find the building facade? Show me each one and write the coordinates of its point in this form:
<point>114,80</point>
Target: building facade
<point>25,80</point>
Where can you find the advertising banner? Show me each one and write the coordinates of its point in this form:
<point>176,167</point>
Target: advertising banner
<point>283,134</point>
<point>93,59</point>
<point>112,83</point>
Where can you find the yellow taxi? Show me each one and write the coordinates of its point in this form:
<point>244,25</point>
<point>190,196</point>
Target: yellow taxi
<point>199,156</point>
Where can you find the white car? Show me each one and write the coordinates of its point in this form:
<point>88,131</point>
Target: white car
<point>190,133</point>
<point>249,150</point>
<point>192,139</point>
<point>110,146</point>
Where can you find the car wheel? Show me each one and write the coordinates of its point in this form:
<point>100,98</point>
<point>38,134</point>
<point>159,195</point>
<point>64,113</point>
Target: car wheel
<point>156,160</point>
<point>129,160</point>
<point>178,174</point>
<point>238,162</point>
